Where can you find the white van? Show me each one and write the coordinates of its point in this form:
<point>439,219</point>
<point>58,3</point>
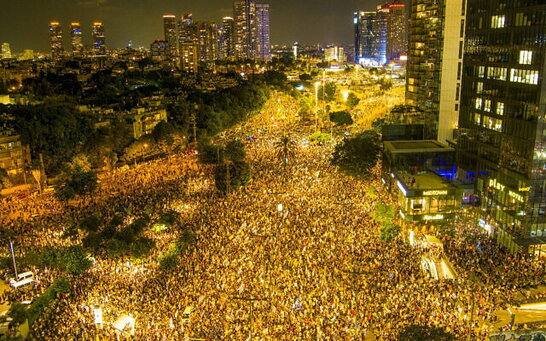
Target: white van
<point>22,279</point>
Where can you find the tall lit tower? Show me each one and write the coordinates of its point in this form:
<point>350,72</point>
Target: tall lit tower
<point>6,51</point>
<point>502,124</point>
<point>246,40</point>
<point>262,31</point>
<point>365,37</point>
<point>171,34</point>
<point>396,31</point>
<point>56,40</point>
<point>381,31</point>
<point>187,31</point>
<point>76,39</point>
<point>227,38</point>
<point>99,40</point>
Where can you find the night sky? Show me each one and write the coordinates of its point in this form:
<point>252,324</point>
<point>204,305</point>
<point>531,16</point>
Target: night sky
<point>24,23</point>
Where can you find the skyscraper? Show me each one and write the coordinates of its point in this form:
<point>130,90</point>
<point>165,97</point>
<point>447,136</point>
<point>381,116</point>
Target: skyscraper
<point>262,31</point>
<point>436,37</point>
<point>6,51</point>
<point>246,40</point>
<point>381,30</point>
<point>227,39</point>
<point>365,37</point>
<point>99,40</point>
<point>159,49</point>
<point>502,123</point>
<point>56,40</point>
<point>207,41</point>
<point>188,57</point>
<point>171,34</point>
<point>396,31</point>
<point>187,32</point>
<point>76,39</point>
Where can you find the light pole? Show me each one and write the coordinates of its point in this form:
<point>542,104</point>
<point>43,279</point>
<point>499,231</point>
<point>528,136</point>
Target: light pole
<point>317,84</point>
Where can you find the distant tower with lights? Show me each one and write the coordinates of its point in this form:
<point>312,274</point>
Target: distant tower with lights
<point>171,34</point>
<point>396,31</point>
<point>56,40</point>
<point>76,39</point>
<point>99,40</point>
<point>6,51</point>
<point>227,39</point>
<point>263,33</point>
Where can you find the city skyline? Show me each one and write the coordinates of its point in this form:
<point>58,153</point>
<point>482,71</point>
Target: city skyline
<point>23,25</point>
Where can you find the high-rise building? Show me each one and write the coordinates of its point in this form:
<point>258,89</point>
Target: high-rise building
<point>263,50</point>
<point>502,139</point>
<point>207,41</point>
<point>188,57</point>
<point>187,31</point>
<point>381,31</point>
<point>76,39</point>
<point>160,49</point>
<point>99,40</point>
<point>334,53</point>
<point>171,34</point>
<point>6,51</point>
<point>365,37</point>
<point>227,39</point>
<point>396,31</point>
<point>246,37</point>
<point>436,37</point>
<point>56,39</point>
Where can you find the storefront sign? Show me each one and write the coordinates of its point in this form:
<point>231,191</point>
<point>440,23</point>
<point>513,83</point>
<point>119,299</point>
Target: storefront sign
<point>434,193</point>
<point>524,189</point>
<point>497,185</point>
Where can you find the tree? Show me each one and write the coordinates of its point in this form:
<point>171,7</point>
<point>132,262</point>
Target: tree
<point>319,137</point>
<point>4,179</point>
<point>327,92</point>
<point>352,100</point>
<point>235,175</point>
<point>18,312</point>
<point>305,77</point>
<point>91,223</point>
<point>384,84</point>
<point>357,155</point>
<point>423,333</point>
<point>389,232</point>
<point>235,151</point>
<point>341,118</point>
<point>286,149</point>
<point>74,181</point>
<point>74,260</point>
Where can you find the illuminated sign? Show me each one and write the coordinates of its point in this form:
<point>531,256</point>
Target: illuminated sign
<point>433,217</point>
<point>497,185</point>
<point>524,189</point>
<point>402,188</point>
<point>431,193</point>
<point>516,196</point>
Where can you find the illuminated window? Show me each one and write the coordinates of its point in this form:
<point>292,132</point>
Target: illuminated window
<point>498,73</point>
<point>525,57</point>
<point>477,119</point>
<point>479,87</point>
<point>498,21</point>
<point>524,76</point>
<point>479,103</point>
<point>500,108</point>
<point>481,71</point>
<point>487,105</point>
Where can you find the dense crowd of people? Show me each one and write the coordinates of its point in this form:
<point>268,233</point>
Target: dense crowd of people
<point>295,255</point>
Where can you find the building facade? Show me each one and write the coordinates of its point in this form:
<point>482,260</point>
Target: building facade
<point>207,41</point>
<point>502,143</point>
<point>365,38</point>
<point>160,50</point>
<point>244,15</point>
<point>263,32</point>
<point>434,68</point>
<point>6,51</point>
<point>171,34</point>
<point>396,31</point>
<point>56,40</point>
<point>189,61</point>
<point>99,39</point>
<point>381,33</point>
<point>227,46</point>
<point>76,39</point>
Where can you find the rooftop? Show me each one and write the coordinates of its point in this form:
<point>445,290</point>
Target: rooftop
<point>423,146</point>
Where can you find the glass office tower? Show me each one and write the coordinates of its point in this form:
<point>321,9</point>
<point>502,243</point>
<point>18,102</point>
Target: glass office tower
<point>502,142</point>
